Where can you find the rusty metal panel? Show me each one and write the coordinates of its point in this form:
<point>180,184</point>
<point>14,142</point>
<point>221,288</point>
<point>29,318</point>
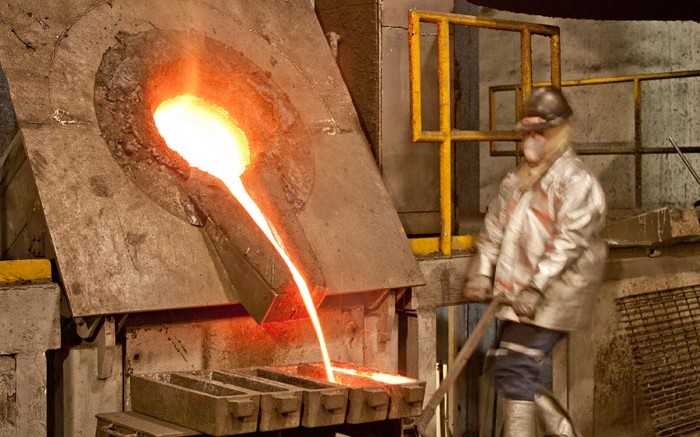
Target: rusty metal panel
<point>117,247</point>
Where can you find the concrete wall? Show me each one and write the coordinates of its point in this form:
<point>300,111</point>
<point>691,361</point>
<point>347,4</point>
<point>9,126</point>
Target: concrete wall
<point>604,115</point>
<point>83,394</point>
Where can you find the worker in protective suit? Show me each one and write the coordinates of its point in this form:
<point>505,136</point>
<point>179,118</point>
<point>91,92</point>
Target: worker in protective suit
<point>541,247</point>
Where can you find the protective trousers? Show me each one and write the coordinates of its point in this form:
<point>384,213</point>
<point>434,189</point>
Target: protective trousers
<point>517,368</point>
<point>518,362</point>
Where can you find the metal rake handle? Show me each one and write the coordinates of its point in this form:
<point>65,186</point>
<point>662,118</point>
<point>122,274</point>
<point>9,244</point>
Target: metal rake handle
<point>462,358</point>
<point>685,160</point>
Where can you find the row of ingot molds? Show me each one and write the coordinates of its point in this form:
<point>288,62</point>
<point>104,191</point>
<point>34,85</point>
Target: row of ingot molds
<point>271,398</point>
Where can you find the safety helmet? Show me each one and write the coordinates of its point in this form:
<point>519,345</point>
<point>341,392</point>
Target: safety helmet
<point>544,108</point>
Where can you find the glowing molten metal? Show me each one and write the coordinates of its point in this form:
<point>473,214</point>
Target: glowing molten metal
<point>385,378</point>
<point>208,138</point>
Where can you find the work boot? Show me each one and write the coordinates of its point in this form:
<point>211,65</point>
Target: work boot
<point>553,417</point>
<point>519,419</point>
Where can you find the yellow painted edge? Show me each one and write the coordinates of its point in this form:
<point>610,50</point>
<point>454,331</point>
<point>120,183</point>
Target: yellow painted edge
<point>463,242</point>
<point>25,270</point>
<point>425,246</point>
<point>431,245</point>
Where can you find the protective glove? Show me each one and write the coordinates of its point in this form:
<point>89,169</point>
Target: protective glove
<point>527,301</point>
<point>478,289</point>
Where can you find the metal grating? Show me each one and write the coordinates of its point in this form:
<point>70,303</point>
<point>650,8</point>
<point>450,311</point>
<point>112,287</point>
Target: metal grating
<point>663,328</point>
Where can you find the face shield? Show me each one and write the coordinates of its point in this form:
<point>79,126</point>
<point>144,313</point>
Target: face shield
<point>544,111</point>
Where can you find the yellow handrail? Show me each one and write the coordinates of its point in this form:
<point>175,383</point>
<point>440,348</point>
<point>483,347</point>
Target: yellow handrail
<point>637,149</point>
<point>447,134</point>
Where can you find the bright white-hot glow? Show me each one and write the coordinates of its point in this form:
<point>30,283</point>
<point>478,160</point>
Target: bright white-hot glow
<point>204,135</point>
<point>208,138</point>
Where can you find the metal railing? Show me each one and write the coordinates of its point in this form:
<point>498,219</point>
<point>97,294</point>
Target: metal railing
<point>637,149</point>
<point>446,134</point>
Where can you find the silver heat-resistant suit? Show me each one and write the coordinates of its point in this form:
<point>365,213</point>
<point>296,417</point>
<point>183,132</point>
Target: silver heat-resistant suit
<point>541,248</point>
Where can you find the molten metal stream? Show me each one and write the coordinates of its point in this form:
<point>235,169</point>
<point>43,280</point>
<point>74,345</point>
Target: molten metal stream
<point>208,138</point>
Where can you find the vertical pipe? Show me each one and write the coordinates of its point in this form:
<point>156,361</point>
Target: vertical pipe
<point>414,73</point>
<point>637,143</point>
<point>525,78</point>
<point>444,85</point>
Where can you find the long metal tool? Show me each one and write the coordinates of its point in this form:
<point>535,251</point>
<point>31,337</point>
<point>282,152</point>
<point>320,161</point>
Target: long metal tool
<point>685,160</point>
<point>461,360</point>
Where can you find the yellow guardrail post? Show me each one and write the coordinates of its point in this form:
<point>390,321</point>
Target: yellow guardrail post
<point>414,74</point>
<point>444,86</point>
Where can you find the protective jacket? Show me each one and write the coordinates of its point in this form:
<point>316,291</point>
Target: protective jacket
<point>549,237</point>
